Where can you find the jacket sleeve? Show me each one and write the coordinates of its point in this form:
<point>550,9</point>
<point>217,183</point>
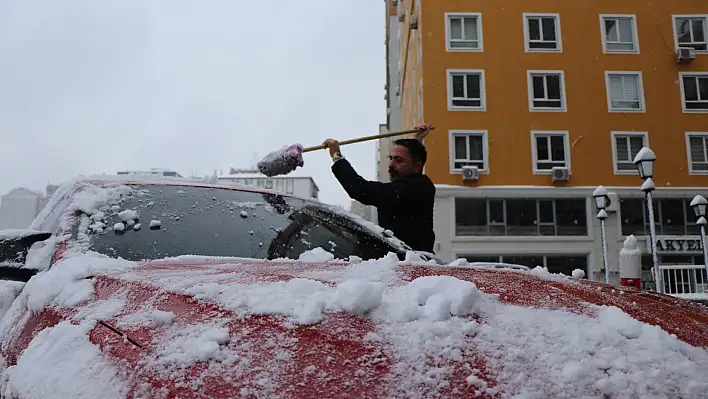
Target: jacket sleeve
<point>368,192</point>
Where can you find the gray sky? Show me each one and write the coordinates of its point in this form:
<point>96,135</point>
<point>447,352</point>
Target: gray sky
<point>92,86</point>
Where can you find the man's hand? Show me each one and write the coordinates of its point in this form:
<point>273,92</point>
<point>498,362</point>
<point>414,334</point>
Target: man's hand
<point>423,131</point>
<point>333,146</point>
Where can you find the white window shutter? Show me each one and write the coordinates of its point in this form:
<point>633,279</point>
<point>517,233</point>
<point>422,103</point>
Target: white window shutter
<point>456,28</point>
<point>631,87</point>
<point>622,148</point>
<point>470,28</point>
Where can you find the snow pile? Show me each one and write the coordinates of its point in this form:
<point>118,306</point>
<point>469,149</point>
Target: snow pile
<point>192,343</point>
<point>154,224</point>
<point>93,198</point>
<point>61,362</point>
<point>578,273</point>
<point>128,215</point>
<point>316,255</point>
<point>65,284</point>
<point>549,353</point>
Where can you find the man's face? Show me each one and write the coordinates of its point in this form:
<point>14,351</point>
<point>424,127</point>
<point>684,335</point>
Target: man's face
<point>401,164</point>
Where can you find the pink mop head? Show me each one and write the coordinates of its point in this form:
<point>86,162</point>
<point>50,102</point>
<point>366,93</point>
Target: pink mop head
<point>281,162</point>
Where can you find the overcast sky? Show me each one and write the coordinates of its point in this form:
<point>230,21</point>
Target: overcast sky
<point>92,86</point>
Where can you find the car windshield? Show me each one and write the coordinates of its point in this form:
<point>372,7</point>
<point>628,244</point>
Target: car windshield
<point>159,221</point>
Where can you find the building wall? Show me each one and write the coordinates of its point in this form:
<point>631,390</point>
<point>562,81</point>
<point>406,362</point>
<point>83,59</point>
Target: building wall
<point>507,118</point>
<point>450,246</point>
<point>19,207</point>
<point>301,186</point>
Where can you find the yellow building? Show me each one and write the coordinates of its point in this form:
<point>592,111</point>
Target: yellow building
<point>538,102</point>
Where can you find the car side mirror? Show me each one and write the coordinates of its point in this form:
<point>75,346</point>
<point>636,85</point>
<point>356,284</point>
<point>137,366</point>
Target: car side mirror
<point>15,244</point>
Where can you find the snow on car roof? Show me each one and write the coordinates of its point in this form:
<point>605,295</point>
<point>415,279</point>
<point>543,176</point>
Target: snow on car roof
<point>466,333</point>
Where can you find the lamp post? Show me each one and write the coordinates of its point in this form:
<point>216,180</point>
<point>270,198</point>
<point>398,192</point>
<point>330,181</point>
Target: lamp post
<point>644,161</point>
<point>602,201</point>
<point>700,208</point>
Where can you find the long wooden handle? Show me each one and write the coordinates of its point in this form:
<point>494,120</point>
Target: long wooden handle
<point>366,138</point>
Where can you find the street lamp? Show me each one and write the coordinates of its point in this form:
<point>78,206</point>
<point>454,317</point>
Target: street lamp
<point>700,208</point>
<point>644,161</point>
<point>602,201</point>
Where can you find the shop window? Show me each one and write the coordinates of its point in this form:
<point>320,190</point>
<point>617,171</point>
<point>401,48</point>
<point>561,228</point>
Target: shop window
<point>470,216</point>
<point>566,264</point>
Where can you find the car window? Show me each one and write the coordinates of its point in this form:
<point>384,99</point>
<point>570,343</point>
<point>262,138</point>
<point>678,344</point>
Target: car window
<point>165,221</point>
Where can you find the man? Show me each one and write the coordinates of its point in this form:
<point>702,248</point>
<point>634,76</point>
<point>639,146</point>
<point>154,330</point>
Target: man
<point>405,205</point>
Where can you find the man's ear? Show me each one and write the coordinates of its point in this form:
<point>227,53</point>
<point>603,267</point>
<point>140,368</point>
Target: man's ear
<point>418,167</point>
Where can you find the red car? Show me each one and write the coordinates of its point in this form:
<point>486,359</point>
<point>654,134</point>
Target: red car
<point>173,289</point>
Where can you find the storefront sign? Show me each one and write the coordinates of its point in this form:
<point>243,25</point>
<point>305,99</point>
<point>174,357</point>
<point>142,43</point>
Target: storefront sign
<point>678,244</point>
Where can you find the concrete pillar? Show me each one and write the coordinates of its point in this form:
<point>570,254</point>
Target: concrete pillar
<point>631,263</point>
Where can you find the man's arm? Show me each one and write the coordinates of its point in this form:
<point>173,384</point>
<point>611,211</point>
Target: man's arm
<point>368,192</point>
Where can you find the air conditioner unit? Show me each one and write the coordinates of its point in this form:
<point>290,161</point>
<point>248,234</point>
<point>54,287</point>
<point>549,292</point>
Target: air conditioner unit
<point>398,91</point>
<point>470,173</point>
<point>560,173</point>
<point>685,55</point>
<point>414,22</point>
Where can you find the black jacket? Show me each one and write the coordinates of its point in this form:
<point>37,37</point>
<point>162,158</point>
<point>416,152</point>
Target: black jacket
<point>405,206</point>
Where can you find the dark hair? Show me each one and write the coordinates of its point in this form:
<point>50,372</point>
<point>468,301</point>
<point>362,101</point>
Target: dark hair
<point>416,149</point>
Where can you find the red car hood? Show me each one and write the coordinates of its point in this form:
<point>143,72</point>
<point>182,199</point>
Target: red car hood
<point>198,329</point>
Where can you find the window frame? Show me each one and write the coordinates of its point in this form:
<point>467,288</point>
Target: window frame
<point>689,159</point>
<point>683,92</point>
<point>675,31</point>
<point>615,160</point>
<point>640,88</point>
<point>557,23</point>
<point>529,81</point>
<point>534,151</point>
<point>480,30</point>
<point>482,90</point>
<point>635,33</point>
<point>485,148</point>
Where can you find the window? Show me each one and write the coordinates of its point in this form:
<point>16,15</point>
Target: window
<point>691,31</point>
<point>624,91</point>
<point>694,90</point>
<point>542,32</point>
<point>277,227</point>
<point>625,146</point>
<point>697,144</point>
<point>466,90</point>
<point>619,34</point>
<point>520,217</point>
<point>470,217</point>
<point>673,217</point>
<point>289,183</point>
<point>464,32</point>
<point>550,149</point>
<point>555,263</point>
<point>469,148</point>
<point>546,90</point>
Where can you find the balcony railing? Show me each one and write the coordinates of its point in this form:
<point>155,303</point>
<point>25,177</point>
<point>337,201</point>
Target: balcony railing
<point>686,281</point>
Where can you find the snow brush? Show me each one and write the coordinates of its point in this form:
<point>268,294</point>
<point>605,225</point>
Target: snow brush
<point>287,159</point>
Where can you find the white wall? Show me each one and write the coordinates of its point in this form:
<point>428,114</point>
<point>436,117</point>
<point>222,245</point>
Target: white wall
<point>18,209</point>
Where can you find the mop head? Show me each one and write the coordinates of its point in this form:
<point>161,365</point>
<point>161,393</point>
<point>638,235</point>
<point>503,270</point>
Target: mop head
<point>281,162</point>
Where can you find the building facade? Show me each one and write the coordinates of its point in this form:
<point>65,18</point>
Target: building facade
<point>304,187</point>
<point>20,206</point>
<point>537,103</point>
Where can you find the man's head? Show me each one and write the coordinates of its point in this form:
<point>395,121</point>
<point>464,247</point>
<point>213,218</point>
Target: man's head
<point>407,158</point>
